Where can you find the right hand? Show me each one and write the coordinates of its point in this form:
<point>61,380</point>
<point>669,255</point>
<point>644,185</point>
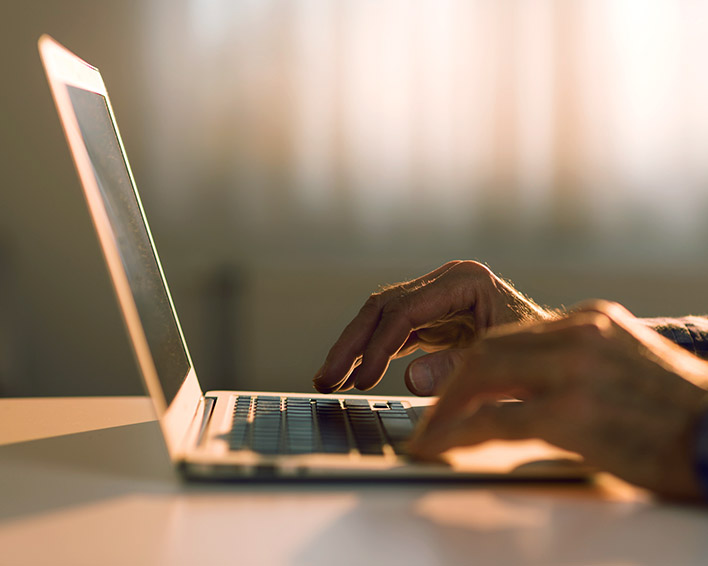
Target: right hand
<point>597,382</point>
<point>447,308</point>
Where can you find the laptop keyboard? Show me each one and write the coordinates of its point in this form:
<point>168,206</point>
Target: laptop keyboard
<point>273,425</point>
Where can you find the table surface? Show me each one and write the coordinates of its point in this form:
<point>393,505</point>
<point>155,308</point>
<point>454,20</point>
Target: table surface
<point>87,481</point>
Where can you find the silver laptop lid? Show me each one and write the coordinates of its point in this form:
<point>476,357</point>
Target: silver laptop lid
<point>124,235</point>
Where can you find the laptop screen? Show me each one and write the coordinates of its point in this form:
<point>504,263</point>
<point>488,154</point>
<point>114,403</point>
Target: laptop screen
<point>131,234</point>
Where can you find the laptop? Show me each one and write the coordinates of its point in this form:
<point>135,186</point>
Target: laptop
<point>242,435</point>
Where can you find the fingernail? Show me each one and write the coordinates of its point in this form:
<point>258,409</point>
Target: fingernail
<point>421,378</point>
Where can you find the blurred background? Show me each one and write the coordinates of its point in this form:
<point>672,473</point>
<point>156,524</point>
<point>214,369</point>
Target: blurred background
<point>294,155</point>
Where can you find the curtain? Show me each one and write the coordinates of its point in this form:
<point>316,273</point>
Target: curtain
<point>434,126</point>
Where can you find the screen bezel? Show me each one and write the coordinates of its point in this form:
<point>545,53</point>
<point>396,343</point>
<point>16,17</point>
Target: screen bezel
<point>64,69</point>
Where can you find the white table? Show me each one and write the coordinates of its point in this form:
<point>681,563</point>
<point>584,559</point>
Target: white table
<point>86,481</point>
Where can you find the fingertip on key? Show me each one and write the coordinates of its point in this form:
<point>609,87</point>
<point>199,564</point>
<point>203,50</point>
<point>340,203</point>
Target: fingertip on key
<point>318,384</point>
<point>323,388</point>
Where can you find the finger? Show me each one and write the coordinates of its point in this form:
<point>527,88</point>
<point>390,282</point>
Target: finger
<point>423,279</point>
<point>576,323</point>
<point>344,354</point>
<point>537,360</point>
<point>630,329</point>
<point>412,344</point>
<point>346,383</point>
<point>385,343</point>
<point>457,331</point>
<point>491,369</point>
<point>425,375</point>
<point>503,421</point>
<point>349,383</point>
<point>450,293</point>
<point>350,346</point>
<point>534,359</point>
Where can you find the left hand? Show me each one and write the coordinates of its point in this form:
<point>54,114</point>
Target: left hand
<point>449,307</point>
<point>597,382</point>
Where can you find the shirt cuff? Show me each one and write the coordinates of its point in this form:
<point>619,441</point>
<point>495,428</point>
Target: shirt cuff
<point>689,332</point>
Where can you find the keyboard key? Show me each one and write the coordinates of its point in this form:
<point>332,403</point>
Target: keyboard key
<point>296,402</point>
<point>394,415</point>
<point>397,429</point>
<point>356,403</point>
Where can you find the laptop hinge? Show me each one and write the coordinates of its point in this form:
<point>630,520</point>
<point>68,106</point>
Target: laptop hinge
<point>209,403</point>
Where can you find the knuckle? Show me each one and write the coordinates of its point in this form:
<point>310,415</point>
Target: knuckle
<point>470,268</point>
<point>595,305</point>
<point>373,303</point>
<point>611,309</point>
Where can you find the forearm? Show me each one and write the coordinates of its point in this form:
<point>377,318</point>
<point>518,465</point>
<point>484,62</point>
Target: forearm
<point>689,332</point>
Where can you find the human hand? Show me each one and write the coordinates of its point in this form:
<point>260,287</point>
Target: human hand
<point>598,382</point>
<point>447,308</point>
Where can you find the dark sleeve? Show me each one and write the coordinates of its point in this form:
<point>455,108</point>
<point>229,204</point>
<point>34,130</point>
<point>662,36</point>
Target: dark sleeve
<point>689,332</point>
<point>701,454</point>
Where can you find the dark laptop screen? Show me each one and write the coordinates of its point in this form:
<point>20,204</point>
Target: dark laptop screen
<point>149,289</point>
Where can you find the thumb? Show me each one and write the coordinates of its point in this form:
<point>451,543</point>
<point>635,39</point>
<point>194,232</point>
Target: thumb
<point>425,375</point>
